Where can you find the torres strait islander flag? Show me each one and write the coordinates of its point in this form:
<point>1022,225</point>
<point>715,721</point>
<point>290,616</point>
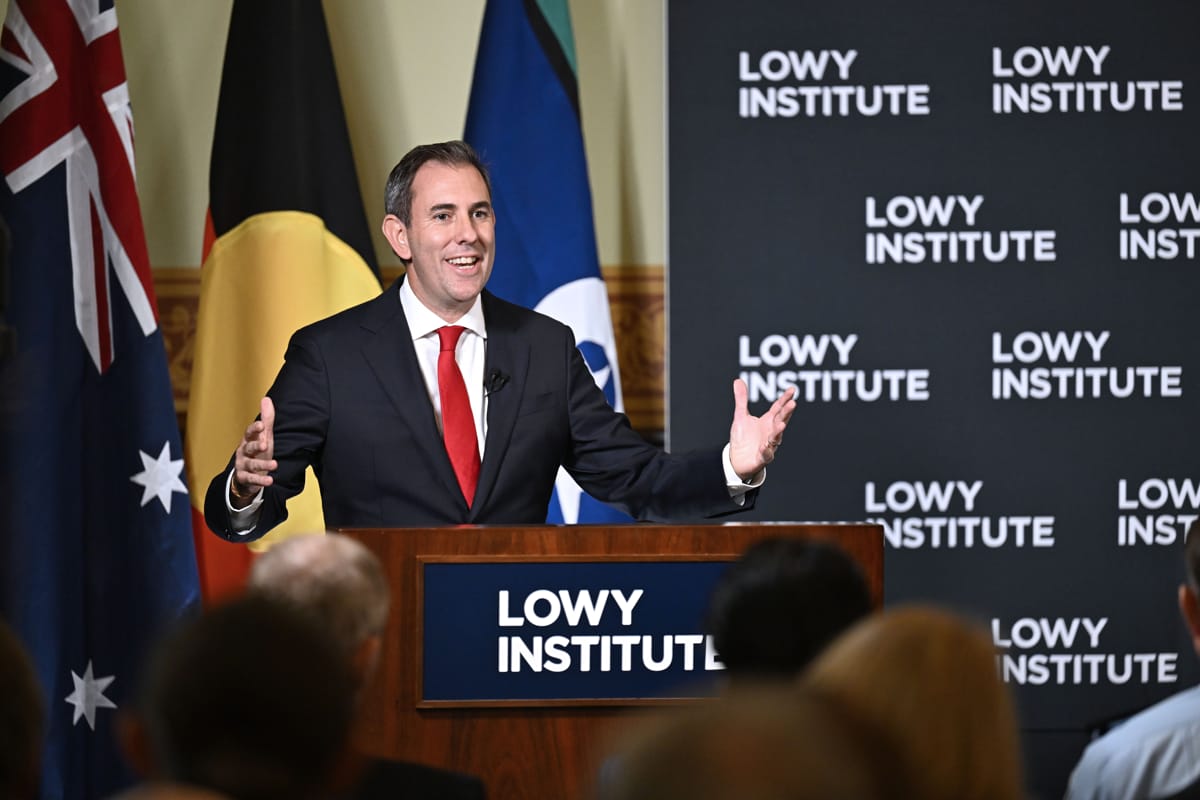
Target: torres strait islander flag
<point>286,244</point>
<point>524,120</point>
<point>95,537</point>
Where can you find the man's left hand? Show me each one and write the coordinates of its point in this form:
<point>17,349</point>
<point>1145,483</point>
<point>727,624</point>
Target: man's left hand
<point>754,440</point>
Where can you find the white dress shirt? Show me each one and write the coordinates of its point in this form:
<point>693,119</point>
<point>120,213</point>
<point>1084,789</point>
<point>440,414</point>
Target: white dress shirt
<point>470,354</point>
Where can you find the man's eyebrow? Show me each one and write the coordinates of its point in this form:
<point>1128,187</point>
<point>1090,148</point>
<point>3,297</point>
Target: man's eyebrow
<point>440,207</point>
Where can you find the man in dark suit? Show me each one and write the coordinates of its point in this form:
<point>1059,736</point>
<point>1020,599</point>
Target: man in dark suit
<point>361,397</point>
<point>340,584</point>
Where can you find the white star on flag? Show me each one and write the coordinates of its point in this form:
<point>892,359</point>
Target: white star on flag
<point>160,477</point>
<point>89,695</point>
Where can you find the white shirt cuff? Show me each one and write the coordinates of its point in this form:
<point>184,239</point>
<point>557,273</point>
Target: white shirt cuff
<point>737,487</point>
<point>243,520</point>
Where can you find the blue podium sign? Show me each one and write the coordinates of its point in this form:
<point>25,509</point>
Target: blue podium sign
<point>565,631</point>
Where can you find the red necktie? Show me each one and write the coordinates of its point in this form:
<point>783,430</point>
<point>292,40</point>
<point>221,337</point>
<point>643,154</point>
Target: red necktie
<point>458,424</point>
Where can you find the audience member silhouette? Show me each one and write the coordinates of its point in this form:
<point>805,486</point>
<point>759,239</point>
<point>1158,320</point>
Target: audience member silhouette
<point>21,722</point>
<point>760,743</point>
<point>927,680</point>
<point>771,612</point>
<point>168,790</point>
<point>1155,753</point>
<point>781,603</point>
<point>340,584</point>
<point>251,699</point>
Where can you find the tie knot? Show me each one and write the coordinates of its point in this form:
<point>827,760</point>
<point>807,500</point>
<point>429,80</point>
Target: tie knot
<point>448,335</point>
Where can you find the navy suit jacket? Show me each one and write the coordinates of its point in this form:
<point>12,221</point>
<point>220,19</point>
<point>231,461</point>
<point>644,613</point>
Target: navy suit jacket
<point>350,400</point>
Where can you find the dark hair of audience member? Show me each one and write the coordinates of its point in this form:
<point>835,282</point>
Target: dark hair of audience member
<point>21,724</point>
<point>251,699</point>
<point>927,679</point>
<point>767,742</point>
<point>781,603</point>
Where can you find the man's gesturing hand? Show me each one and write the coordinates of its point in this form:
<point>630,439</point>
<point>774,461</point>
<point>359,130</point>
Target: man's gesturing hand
<point>754,440</point>
<point>254,459</point>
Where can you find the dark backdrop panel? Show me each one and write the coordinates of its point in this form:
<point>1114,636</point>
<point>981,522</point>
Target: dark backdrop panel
<point>769,228</point>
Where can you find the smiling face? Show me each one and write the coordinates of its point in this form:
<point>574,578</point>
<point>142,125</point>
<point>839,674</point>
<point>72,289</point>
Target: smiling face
<point>450,240</point>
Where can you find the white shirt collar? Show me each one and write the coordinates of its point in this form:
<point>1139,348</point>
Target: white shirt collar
<point>422,322</point>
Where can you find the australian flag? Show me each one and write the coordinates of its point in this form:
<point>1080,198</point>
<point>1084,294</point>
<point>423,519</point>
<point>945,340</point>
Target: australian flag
<point>524,120</point>
<point>95,533</point>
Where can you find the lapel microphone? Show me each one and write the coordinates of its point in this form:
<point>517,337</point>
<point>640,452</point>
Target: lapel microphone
<point>495,381</point>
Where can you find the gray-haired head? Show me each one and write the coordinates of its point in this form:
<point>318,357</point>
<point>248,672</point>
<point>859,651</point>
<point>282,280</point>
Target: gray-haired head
<point>332,578</point>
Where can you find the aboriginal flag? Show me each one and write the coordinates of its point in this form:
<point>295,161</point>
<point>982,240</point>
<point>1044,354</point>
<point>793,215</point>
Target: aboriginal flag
<point>286,244</point>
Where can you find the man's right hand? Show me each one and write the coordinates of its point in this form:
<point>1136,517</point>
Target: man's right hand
<point>254,459</point>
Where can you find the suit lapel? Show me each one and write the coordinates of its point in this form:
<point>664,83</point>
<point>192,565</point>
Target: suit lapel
<point>508,356</point>
<point>389,352</point>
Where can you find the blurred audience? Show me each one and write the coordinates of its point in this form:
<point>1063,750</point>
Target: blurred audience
<point>781,603</point>
<point>340,585</point>
<point>168,790</point>
<point>772,611</point>
<point>251,700</point>
<point>927,680</point>
<point>21,722</point>
<point>1155,753</point>
<point>759,743</point>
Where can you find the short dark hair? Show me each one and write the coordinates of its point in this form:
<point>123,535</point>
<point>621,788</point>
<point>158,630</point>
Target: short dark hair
<point>1191,555</point>
<point>397,195</point>
<point>781,603</point>
<point>252,699</point>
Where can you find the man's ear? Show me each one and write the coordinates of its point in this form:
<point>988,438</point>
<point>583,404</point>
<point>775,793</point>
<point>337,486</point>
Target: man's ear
<point>397,237</point>
<point>366,658</point>
<point>1189,607</point>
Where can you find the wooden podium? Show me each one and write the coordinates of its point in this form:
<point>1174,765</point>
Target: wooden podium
<point>535,749</point>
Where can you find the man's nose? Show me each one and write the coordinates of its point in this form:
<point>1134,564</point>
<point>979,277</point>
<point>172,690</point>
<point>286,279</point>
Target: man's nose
<point>466,229</point>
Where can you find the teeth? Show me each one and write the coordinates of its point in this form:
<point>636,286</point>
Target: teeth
<point>463,261</point>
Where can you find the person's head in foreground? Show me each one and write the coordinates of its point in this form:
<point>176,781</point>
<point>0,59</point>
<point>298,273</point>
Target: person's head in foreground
<point>252,699</point>
<point>781,603</point>
<point>20,720</point>
<point>338,583</point>
<point>765,743</point>
<point>927,679</point>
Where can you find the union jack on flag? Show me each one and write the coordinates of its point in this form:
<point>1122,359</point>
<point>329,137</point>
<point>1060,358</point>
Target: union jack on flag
<point>95,536</point>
